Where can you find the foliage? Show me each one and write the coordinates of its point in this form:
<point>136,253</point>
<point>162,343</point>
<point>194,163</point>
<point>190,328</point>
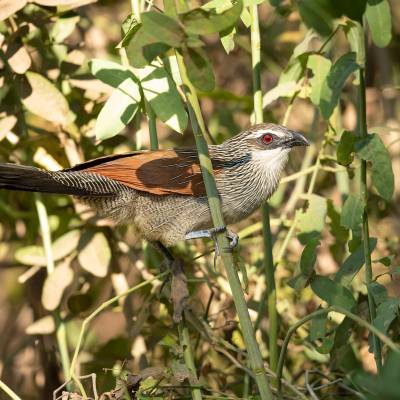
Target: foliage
<point>79,80</point>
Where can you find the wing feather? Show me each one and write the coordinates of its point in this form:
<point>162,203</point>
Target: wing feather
<point>160,172</point>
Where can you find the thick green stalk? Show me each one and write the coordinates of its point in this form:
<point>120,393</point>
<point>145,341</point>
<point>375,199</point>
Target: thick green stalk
<point>182,327</point>
<point>362,123</point>
<point>184,338</point>
<point>214,201</point>
<point>267,235</point>
<point>151,118</point>
<point>61,332</point>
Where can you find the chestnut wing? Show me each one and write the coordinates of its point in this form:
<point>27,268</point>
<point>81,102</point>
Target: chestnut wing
<point>159,172</point>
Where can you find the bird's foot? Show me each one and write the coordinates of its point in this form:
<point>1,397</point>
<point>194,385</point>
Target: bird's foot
<point>212,234</point>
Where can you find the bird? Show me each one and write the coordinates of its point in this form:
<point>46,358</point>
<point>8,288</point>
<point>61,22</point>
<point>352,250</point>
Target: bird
<point>162,192</point>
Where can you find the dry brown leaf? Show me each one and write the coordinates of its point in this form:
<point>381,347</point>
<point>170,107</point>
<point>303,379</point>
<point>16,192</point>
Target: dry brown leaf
<point>55,284</point>
<point>50,3</point>
<point>95,256</point>
<point>64,4</point>
<point>6,125</point>
<point>42,326</point>
<point>18,58</point>
<point>91,84</point>
<point>42,98</point>
<point>179,290</point>
<point>10,7</point>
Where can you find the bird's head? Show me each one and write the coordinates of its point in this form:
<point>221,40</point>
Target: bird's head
<point>269,142</point>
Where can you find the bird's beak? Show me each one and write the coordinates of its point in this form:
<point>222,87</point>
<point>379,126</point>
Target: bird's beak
<point>296,139</point>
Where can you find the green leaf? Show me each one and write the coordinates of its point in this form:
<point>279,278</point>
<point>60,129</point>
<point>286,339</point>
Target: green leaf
<point>318,327</point>
<point>163,28</point>
<point>61,247</point>
<point>129,27</point>
<point>160,91</point>
<point>218,6</point>
<point>143,48</point>
<point>199,69</point>
<point>373,150</point>
<point>312,221</point>
<point>386,312</point>
<point>39,96</point>
<point>345,148</point>
<point>320,67</point>
<point>305,46</point>
<point>386,384</point>
<point>378,292</point>
<point>294,70</point>
<point>287,89</point>
<point>63,27</point>
<point>353,264</point>
<point>299,282</point>
<point>343,332</point>
<point>316,14</point>
<point>227,39</point>
<point>352,212</point>
<point>386,261</point>
<point>379,21</point>
<point>110,72</point>
<point>332,292</point>
<point>333,85</point>
<point>355,36</point>
<point>204,22</point>
<point>309,257</point>
<point>340,233</point>
<point>118,110</point>
<point>55,285</point>
<point>95,253</point>
<point>353,9</point>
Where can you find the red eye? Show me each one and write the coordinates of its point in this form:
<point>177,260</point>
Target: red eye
<point>267,139</point>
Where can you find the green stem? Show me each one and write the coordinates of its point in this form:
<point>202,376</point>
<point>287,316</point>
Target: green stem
<point>184,338</point>
<point>98,310</point>
<point>362,122</point>
<point>9,391</point>
<point>61,332</point>
<point>151,118</point>
<point>214,201</point>
<point>267,235</point>
<point>376,332</point>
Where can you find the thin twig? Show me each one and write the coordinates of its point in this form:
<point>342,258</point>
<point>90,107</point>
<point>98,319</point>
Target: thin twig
<point>385,339</point>
<point>9,391</point>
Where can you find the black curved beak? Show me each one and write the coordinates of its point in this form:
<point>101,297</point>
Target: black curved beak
<point>296,139</point>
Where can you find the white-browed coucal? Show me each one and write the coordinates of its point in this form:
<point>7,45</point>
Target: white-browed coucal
<point>162,192</point>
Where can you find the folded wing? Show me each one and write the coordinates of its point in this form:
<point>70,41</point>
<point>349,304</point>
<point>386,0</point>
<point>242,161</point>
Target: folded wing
<point>161,172</point>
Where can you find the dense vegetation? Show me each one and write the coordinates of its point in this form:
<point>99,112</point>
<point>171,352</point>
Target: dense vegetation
<point>83,308</point>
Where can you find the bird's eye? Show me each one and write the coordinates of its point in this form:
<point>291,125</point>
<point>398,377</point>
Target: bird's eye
<point>267,139</point>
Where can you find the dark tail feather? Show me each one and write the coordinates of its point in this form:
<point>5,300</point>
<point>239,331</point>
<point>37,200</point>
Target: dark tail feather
<point>30,179</point>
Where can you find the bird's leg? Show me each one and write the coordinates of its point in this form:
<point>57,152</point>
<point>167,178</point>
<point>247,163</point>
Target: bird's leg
<point>212,234</point>
<point>179,291</point>
<point>168,257</point>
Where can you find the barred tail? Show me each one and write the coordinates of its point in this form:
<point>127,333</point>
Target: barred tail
<point>31,179</point>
